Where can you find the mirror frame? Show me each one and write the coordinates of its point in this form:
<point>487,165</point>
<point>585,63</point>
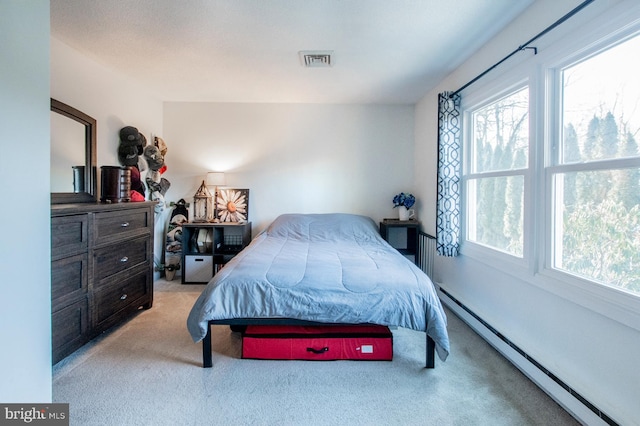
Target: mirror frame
<point>89,196</point>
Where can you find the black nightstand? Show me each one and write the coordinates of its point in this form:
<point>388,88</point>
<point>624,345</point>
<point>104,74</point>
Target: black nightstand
<point>402,235</point>
<point>206,247</point>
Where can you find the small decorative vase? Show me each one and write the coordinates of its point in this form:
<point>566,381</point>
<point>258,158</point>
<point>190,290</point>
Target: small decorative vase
<point>403,213</point>
<point>170,274</point>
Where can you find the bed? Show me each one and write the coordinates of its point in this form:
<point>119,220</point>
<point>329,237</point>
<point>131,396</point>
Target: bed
<point>320,269</point>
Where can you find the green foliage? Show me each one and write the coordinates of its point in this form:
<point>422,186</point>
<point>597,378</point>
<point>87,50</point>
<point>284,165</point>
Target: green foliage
<point>601,223</point>
<point>601,241</point>
<point>601,208</point>
<point>501,143</point>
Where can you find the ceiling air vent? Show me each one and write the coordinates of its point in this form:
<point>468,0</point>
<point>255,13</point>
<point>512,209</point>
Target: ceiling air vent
<point>316,59</point>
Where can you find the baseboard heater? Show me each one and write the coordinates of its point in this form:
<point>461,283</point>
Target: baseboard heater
<point>559,391</point>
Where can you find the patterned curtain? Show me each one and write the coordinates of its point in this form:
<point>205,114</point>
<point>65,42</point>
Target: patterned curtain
<point>449,175</point>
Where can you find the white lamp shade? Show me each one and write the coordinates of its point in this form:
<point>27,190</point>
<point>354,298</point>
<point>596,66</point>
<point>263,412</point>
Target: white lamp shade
<point>215,179</point>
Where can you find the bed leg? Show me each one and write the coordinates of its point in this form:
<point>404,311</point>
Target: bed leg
<point>431,350</point>
<point>206,349</point>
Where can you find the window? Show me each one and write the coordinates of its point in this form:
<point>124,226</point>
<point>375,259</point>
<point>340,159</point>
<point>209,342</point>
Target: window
<point>587,156</point>
<point>497,161</point>
<point>594,170</point>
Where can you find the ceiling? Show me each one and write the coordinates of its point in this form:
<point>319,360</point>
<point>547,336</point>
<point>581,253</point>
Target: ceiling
<point>383,51</point>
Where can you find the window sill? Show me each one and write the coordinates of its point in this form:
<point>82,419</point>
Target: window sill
<point>616,304</point>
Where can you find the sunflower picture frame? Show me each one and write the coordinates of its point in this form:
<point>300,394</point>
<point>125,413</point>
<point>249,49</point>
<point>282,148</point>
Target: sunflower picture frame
<point>232,205</point>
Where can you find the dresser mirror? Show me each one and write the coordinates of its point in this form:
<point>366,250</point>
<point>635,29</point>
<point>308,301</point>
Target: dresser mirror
<point>73,155</point>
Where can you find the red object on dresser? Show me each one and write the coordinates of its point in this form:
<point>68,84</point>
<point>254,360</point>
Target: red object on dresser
<point>322,343</point>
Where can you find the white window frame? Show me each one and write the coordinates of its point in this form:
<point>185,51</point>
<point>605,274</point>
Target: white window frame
<point>534,268</point>
<point>552,166</point>
<point>472,101</point>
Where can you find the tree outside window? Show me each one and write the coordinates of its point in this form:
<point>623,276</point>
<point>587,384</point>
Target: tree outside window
<point>596,170</point>
<point>495,182</point>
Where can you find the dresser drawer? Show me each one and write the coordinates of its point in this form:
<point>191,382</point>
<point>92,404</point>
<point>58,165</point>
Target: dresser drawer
<point>69,329</point>
<point>119,257</point>
<point>111,226</point>
<point>118,295</point>
<point>69,278</point>
<point>69,235</point>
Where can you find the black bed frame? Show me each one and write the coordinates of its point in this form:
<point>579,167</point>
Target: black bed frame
<point>241,324</point>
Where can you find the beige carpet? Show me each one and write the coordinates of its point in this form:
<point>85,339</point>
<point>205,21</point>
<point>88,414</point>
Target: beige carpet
<point>148,372</point>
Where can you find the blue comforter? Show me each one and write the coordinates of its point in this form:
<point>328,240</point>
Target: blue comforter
<point>331,268</point>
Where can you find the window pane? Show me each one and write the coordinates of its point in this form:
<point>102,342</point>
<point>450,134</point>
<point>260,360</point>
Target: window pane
<point>496,213</point>
<point>597,226</point>
<point>601,105</point>
<point>501,134</point>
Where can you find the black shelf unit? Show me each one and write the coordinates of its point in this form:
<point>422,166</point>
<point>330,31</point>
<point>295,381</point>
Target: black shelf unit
<point>207,247</point>
<point>402,235</point>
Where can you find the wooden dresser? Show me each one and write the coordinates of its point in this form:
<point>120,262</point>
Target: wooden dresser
<point>101,269</point>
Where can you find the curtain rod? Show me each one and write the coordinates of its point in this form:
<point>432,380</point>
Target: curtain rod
<point>526,46</point>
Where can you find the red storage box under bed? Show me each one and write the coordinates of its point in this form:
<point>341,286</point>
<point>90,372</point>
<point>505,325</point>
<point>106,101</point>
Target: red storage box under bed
<point>323,343</point>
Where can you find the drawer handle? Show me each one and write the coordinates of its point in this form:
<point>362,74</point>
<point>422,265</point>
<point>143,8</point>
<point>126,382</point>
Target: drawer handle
<point>123,297</point>
<point>124,224</point>
<point>124,259</point>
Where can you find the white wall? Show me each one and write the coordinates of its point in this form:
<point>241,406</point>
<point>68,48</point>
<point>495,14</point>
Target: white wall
<point>25,292</point>
<point>300,158</point>
<point>112,99</point>
<point>586,341</point>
